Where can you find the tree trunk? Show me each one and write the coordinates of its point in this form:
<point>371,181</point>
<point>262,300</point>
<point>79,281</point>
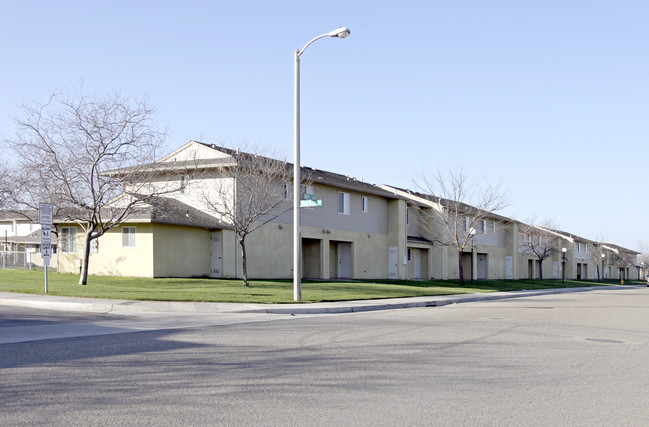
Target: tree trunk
<point>460,269</point>
<point>540,269</point>
<point>244,261</point>
<point>597,268</point>
<point>83,275</point>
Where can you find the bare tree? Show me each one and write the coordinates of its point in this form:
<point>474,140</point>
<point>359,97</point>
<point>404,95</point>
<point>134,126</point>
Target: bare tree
<point>597,253</point>
<point>539,241</point>
<point>247,194</point>
<point>462,205</point>
<point>623,259</point>
<point>643,259</point>
<point>6,186</point>
<point>65,147</point>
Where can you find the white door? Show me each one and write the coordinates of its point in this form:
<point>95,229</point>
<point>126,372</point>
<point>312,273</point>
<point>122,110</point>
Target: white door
<point>416,264</point>
<point>216,246</point>
<point>344,260</point>
<point>393,262</point>
<point>482,267</point>
<point>509,267</point>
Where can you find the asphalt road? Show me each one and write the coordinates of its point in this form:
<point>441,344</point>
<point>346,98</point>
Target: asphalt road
<point>565,359</point>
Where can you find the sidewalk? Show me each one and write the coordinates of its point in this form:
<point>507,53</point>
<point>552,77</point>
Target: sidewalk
<point>48,302</point>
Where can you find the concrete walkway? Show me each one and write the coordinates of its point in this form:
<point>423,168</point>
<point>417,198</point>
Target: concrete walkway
<point>49,302</point>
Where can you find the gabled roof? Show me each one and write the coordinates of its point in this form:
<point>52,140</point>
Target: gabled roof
<point>316,176</point>
<point>199,155</point>
<point>19,215</point>
<point>620,248</point>
<point>164,210</point>
<point>428,199</point>
<point>567,236</point>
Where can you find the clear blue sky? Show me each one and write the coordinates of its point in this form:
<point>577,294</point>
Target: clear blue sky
<point>549,97</point>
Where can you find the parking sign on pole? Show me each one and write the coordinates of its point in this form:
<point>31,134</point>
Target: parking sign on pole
<point>45,219</point>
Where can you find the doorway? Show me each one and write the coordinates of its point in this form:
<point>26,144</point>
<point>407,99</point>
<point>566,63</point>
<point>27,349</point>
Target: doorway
<point>216,259</point>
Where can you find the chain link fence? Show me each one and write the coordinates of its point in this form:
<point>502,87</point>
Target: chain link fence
<point>20,260</point>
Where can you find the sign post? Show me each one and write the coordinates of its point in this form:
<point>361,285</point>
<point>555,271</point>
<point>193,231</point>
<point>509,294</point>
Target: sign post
<point>45,211</point>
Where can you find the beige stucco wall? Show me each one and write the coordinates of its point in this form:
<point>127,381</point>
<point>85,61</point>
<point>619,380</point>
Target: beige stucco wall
<point>70,262</point>
<point>397,233</point>
<point>270,252</point>
<point>181,251</point>
<point>160,251</point>
<point>111,259</point>
<point>114,260</point>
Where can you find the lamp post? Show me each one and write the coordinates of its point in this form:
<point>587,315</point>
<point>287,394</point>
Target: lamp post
<point>602,275</point>
<point>563,264</point>
<point>472,233</point>
<point>341,32</point>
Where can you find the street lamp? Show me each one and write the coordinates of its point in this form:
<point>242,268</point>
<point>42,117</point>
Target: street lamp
<point>341,32</point>
<point>472,233</point>
<point>602,275</point>
<point>563,264</point>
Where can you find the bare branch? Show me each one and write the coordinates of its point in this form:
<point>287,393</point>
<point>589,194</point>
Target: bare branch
<point>67,145</point>
<point>461,207</point>
<point>247,194</point>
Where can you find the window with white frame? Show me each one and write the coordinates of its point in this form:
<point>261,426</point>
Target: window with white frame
<point>128,237</point>
<point>364,204</point>
<point>484,226</point>
<point>343,203</point>
<point>69,240</point>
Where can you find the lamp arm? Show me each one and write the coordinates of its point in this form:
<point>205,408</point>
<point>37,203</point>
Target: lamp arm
<point>300,52</point>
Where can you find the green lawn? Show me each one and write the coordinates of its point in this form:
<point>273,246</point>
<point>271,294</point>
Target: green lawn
<point>259,291</point>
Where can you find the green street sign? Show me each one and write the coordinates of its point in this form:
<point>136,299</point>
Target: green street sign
<point>310,203</point>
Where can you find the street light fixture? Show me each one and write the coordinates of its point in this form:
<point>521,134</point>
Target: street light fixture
<point>342,33</point>
<point>563,264</point>
<point>472,233</point>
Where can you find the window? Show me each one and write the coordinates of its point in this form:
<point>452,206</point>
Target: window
<point>343,203</point>
<point>184,184</point>
<point>484,226</point>
<point>407,216</point>
<point>288,190</point>
<point>364,204</point>
<point>128,237</point>
<point>69,239</point>
<point>94,246</point>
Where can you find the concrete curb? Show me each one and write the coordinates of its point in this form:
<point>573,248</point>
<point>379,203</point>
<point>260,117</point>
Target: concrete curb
<point>48,302</point>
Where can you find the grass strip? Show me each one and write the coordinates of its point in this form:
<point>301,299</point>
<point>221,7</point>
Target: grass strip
<point>259,291</point>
